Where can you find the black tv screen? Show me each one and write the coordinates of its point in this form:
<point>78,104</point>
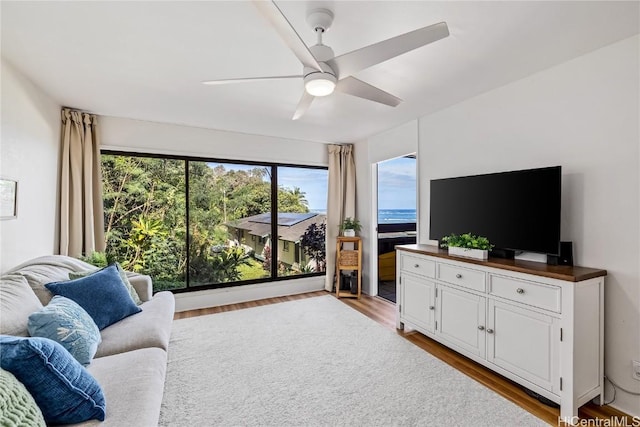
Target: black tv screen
<point>517,210</point>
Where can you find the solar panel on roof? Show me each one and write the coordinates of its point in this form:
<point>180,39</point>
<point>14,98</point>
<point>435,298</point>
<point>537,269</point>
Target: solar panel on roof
<point>284,218</point>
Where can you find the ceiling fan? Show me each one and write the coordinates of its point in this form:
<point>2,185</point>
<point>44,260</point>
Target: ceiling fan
<point>323,71</point>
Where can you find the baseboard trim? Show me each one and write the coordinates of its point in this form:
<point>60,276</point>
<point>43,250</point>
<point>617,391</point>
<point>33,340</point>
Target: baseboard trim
<point>238,294</point>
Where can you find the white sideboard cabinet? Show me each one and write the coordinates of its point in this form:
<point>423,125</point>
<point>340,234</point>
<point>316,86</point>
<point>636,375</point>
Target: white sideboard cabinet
<point>538,325</point>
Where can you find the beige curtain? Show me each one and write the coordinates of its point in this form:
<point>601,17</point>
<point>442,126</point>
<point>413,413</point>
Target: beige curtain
<point>341,200</point>
<point>81,212</point>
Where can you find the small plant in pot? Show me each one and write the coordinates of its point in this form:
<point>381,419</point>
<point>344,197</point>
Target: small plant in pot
<point>467,245</point>
<point>350,226</point>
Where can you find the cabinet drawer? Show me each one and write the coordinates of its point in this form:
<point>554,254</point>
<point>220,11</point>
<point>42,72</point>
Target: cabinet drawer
<point>461,276</point>
<point>534,294</point>
<point>417,265</point>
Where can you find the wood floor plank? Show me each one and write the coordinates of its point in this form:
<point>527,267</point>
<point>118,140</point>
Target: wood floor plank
<point>383,312</point>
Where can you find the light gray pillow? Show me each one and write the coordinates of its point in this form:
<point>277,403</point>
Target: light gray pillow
<point>17,302</point>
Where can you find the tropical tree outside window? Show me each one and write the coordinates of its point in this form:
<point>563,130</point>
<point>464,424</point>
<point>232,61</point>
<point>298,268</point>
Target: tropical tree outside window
<point>151,202</point>
<point>145,224</point>
<point>221,195</point>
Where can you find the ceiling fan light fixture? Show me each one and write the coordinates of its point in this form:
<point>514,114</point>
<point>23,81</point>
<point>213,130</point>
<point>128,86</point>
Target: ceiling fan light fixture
<point>320,84</point>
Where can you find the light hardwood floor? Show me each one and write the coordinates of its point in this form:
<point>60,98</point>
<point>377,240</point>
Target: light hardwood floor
<point>383,312</point>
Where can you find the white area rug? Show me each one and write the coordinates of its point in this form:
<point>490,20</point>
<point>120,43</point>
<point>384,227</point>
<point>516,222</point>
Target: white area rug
<point>316,362</point>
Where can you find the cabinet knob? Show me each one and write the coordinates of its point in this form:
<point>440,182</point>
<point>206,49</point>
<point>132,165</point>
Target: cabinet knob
<point>416,265</point>
<point>520,291</point>
<point>432,307</point>
<point>458,276</point>
<point>481,327</point>
<point>489,331</point>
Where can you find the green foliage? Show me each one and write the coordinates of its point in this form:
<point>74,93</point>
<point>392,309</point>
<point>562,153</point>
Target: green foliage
<point>99,259</point>
<point>313,244</point>
<point>224,265</point>
<point>252,270</point>
<point>350,224</point>
<point>292,200</point>
<point>466,240</point>
<point>145,208</point>
<point>306,269</point>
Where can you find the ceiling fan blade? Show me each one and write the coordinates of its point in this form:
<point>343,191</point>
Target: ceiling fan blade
<point>274,15</point>
<point>352,62</point>
<point>355,87</point>
<point>247,79</point>
<point>303,105</point>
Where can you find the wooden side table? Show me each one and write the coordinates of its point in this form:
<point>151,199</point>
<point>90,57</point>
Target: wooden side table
<point>348,259</point>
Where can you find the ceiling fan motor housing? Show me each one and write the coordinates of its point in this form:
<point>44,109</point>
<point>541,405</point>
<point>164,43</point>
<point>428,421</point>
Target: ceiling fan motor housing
<point>322,52</point>
<point>320,83</point>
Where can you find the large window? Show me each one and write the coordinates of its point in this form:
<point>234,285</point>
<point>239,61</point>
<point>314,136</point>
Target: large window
<point>199,223</point>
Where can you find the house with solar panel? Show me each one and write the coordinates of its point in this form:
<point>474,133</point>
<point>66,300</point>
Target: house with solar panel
<point>255,232</point>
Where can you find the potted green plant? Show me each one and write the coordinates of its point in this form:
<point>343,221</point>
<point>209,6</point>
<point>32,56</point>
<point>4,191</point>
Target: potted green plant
<point>467,245</point>
<point>350,226</point>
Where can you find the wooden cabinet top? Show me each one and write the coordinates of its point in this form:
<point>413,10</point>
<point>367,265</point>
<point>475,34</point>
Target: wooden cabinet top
<point>343,239</point>
<point>560,272</point>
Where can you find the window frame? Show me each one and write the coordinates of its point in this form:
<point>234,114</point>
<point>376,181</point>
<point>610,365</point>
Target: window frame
<point>274,218</point>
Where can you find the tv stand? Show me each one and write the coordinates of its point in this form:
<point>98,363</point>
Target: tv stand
<point>539,325</point>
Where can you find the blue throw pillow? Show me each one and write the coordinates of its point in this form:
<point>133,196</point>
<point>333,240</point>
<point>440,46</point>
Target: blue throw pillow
<point>65,322</point>
<point>123,276</point>
<point>103,295</point>
<point>65,392</point>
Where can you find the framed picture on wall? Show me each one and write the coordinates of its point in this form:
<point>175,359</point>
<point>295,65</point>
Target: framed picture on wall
<point>8,198</point>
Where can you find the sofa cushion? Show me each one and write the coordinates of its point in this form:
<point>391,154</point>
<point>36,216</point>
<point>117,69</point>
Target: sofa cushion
<point>142,284</point>
<point>123,276</point>
<point>65,392</point>
<point>133,384</point>
<point>150,328</point>
<point>17,302</point>
<point>65,322</point>
<point>102,295</point>
<point>17,407</point>
<point>46,269</point>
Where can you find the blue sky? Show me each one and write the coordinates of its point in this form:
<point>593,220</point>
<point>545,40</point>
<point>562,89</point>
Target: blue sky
<point>397,184</point>
<point>312,181</point>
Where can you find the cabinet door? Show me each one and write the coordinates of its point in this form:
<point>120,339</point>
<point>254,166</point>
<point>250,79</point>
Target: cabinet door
<point>525,343</point>
<point>418,302</point>
<point>461,319</point>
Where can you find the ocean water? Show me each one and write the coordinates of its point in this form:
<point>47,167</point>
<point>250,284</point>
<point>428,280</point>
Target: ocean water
<point>395,216</point>
<point>387,216</point>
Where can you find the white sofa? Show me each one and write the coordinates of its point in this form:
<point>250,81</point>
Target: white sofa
<point>131,361</point>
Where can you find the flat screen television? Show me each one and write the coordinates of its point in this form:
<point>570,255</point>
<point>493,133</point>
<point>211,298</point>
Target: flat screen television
<point>516,211</point>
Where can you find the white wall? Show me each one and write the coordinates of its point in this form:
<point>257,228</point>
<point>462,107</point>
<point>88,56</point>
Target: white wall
<point>149,137</point>
<point>396,142</point>
<point>584,116</point>
<point>30,139</point>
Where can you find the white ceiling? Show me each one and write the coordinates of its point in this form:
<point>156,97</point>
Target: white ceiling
<point>145,60</point>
